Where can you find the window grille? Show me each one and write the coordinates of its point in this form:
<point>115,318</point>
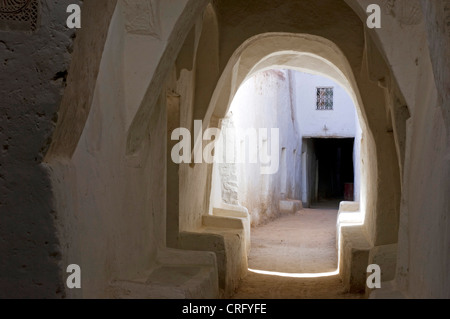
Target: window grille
<point>19,15</point>
<point>325,98</point>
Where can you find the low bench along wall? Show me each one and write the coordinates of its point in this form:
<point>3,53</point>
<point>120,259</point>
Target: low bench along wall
<point>356,253</point>
<point>177,274</point>
<point>226,233</point>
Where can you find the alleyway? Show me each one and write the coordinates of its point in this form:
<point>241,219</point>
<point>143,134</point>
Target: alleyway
<point>296,245</point>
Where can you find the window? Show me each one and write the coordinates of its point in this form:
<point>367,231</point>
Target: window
<point>19,15</point>
<point>324,98</point>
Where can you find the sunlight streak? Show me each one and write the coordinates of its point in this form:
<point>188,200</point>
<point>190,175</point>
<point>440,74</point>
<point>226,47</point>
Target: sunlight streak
<point>293,275</point>
<point>354,222</point>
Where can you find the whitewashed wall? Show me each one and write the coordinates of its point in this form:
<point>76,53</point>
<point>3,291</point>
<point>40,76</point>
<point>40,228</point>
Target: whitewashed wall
<point>340,122</point>
<point>264,102</point>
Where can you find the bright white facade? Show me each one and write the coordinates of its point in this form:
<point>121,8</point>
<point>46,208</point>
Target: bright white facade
<point>339,122</point>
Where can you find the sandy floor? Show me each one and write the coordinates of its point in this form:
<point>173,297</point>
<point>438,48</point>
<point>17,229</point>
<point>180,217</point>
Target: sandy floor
<point>296,244</point>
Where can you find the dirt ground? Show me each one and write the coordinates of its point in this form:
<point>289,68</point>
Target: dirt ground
<point>295,244</point>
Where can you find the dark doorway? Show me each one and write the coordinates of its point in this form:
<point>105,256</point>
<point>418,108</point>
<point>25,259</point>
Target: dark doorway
<point>335,168</point>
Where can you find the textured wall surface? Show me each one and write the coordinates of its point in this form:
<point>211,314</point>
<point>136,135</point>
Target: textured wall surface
<point>33,72</point>
<point>264,102</point>
<point>94,203</point>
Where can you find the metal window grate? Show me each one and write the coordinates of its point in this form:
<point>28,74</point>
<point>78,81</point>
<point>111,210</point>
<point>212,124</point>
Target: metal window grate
<point>19,15</point>
<point>325,98</point>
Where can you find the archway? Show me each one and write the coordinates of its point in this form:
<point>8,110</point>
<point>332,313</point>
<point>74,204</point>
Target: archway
<point>299,52</point>
<point>286,100</point>
<point>291,44</point>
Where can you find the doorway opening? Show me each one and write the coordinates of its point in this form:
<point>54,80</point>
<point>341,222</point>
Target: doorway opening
<point>334,170</point>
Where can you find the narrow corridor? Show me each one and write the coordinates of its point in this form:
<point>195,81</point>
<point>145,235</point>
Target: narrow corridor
<point>290,248</point>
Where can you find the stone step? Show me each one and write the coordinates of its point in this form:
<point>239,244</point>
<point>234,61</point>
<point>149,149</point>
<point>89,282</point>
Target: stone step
<point>227,234</point>
<point>353,257</point>
<point>178,274</point>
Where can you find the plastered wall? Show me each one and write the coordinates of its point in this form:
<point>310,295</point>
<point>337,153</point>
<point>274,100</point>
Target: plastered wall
<point>33,72</point>
<point>92,191</point>
<point>263,102</point>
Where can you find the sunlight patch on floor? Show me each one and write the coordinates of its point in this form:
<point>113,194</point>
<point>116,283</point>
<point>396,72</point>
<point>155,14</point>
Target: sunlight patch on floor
<point>294,275</point>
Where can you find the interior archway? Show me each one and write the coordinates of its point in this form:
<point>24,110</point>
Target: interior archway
<point>283,44</point>
<point>286,51</point>
<point>299,52</point>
